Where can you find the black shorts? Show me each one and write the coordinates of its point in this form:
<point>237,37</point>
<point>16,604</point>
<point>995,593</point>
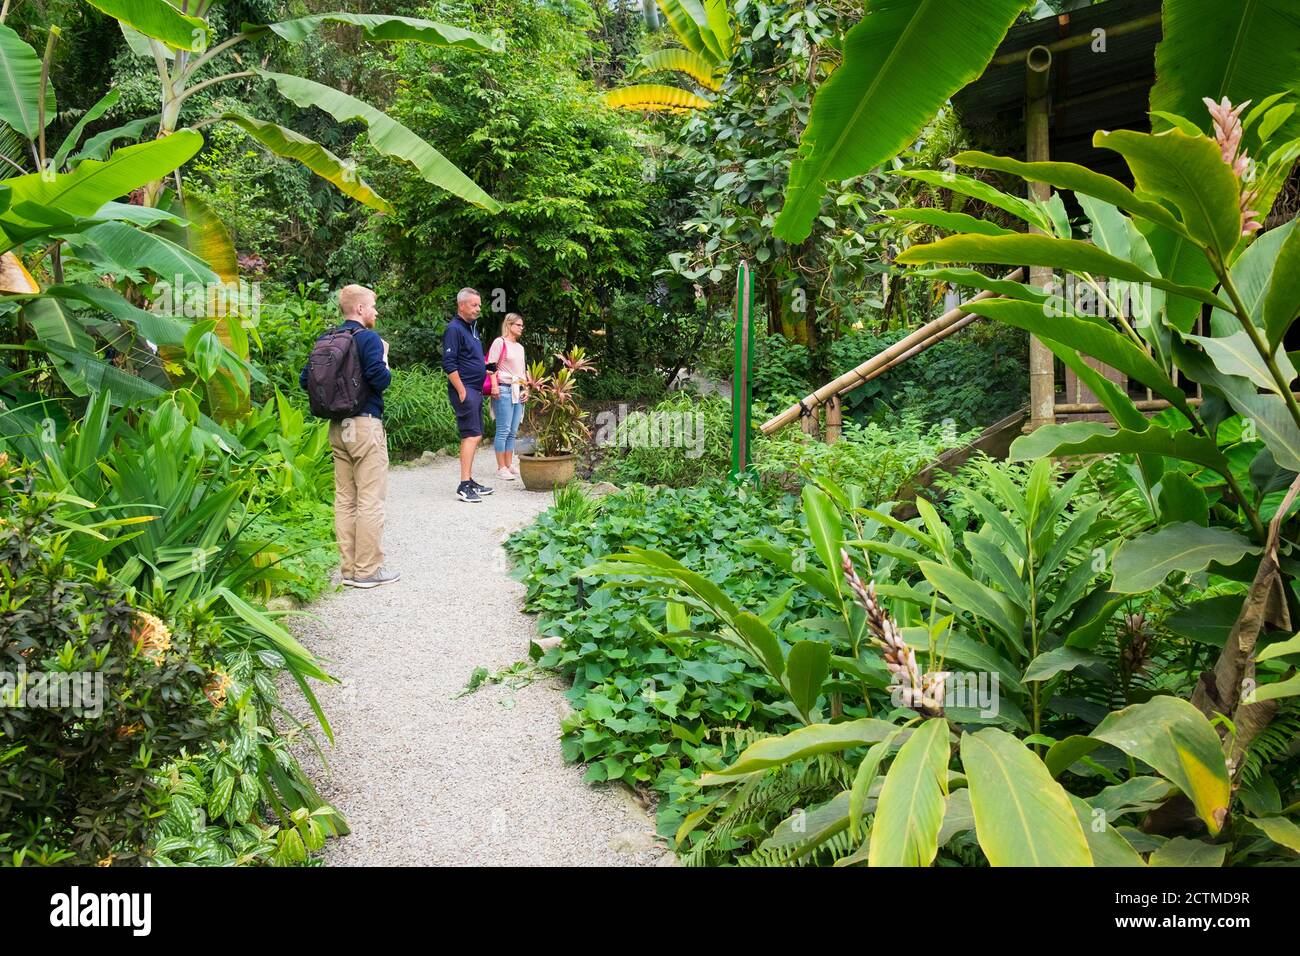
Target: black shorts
<point>469,413</point>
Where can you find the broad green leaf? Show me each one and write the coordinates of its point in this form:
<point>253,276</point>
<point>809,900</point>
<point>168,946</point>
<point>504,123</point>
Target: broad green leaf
<point>958,816</point>
<point>864,778</point>
<point>1135,795</point>
<point>1209,621</point>
<point>1022,816</point>
<point>386,135</point>
<point>719,22</point>
<point>702,69</point>
<point>901,63</point>
<point>1282,300</point>
<point>979,599</point>
<point>804,742</point>
<point>1180,260</point>
<point>98,145</point>
<point>909,813</point>
<point>1098,438</point>
<point>1182,852</point>
<point>1078,179</point>
<point>142,46</point>
<point>101,106</point>
<point>158,329</point>
<point>1277,690</point>
<point>825,528</point>
<point>1190,173</point>
<point>1018,249</point>
<point>146,216</point>
<point>759,636</point>
<point>806,669</point>
<point>1280,649</point>
<point>126,249</point>
<point>1106,845</point>
<point>1242,51</point>
<point>1050,663</point>
<point>951,221</point>
<point>654,97</point>
<point>85,190</point>
<point>1180,499</point>
<point>160,20</point>
<point>56,326</point>
<point>1064,754</point>
<point>1251,274</point>
<point>1235,355</point>
<point>1143,562</point>
<point>802,832</point>
<point>287,143</point>
<point>1175,739</point>
<point>972,279</point>
<point>20,85</point>
<point>1280,830</point>
<point>689,22</point>
<point>384,27</point>
<point>1030,212</point>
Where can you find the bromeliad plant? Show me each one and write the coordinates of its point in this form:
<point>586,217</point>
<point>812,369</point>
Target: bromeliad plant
<point>558,419</point>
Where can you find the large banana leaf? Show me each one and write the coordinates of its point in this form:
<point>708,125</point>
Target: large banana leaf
<point>1022,816</point>
<point>287,143</point>
<point>60,332</point>
<point>98,145</point>
<point>86,189</point>
<point>20,85</point>
<point>386,134</point>
<point>1244,50</point>
<point>1176,740</point>
<point>654,97</point>
<point>124,249</point>
<point>158,19</point>
<point>911,806</point>
<point>382,27</point>
<point>901,63</point>
<point>159,329</point>
<point>14,276</point>
<point>719,17</point>
<point>689,23</point>
<point>700,68</point>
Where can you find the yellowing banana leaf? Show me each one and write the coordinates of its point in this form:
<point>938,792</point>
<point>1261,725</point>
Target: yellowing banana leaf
<point>382,27</point>
<point>287,143</point>
<point>654,97</point>
<point>901,63</point>
<point>698,67</point>
<point>386,135</point>
<point>160,20</point>
<point>14,277</point>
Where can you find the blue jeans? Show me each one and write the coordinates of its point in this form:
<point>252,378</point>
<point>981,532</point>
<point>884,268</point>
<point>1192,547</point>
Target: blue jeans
<point>507,415</point>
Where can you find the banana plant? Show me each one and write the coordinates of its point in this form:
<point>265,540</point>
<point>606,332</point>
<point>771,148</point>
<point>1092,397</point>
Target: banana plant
<point>706,31</point>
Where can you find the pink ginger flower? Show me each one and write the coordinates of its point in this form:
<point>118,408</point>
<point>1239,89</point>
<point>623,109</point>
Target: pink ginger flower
<point>1228,132</point>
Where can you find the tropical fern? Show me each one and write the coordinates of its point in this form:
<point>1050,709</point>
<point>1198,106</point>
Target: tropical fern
<point>1278,743</point>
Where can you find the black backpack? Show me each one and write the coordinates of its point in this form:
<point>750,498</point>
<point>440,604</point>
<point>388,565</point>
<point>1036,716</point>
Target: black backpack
<point>336,387</point>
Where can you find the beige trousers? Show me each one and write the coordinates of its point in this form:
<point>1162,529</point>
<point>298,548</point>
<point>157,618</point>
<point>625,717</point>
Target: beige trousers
<point>360,487</point>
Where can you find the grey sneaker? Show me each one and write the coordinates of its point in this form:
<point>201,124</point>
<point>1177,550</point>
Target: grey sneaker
<point>481,489</point>
<point>382,576</point>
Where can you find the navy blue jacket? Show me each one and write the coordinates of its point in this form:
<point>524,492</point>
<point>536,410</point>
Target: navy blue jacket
<point>463,352</point>
<point>370,348</point>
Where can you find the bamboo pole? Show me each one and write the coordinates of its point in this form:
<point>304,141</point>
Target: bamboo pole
<point>1042,364</point>
<point>877,363</point>
<point>1081,39</point>
<point>834,420</point>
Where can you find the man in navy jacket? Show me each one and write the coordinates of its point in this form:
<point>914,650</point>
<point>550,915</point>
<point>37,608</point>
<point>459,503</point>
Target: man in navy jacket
<point>462,360</point>
<point>361,452</point>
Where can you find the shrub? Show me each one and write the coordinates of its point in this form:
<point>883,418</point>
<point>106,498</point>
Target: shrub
<point>79,788</point>
<point>680,441</point>
<point>879,459</point>
<point>417,413</point>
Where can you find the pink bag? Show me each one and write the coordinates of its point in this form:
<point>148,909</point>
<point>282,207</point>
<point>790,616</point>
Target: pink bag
<point>487,379</point>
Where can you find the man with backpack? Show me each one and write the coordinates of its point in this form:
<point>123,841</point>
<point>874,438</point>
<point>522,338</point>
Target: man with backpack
<point>345,378</point>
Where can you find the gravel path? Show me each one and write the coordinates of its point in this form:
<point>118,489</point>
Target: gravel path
<point>423,777</point>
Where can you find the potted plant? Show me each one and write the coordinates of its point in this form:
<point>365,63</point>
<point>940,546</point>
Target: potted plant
<point>558,421</point>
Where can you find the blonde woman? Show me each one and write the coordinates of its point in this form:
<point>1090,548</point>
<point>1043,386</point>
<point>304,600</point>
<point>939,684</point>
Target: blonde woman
<point>506,366</point>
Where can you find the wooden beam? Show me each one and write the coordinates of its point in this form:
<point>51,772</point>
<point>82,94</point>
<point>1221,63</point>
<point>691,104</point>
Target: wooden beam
<point>1042,364</point>
<point>1080,39</point>
<point>878,362</point>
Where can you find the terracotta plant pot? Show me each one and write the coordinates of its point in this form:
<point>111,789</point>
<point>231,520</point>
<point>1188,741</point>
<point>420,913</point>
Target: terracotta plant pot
<point>544,473</point>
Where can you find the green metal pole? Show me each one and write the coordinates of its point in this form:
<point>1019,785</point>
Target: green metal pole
<point>741,394</point>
